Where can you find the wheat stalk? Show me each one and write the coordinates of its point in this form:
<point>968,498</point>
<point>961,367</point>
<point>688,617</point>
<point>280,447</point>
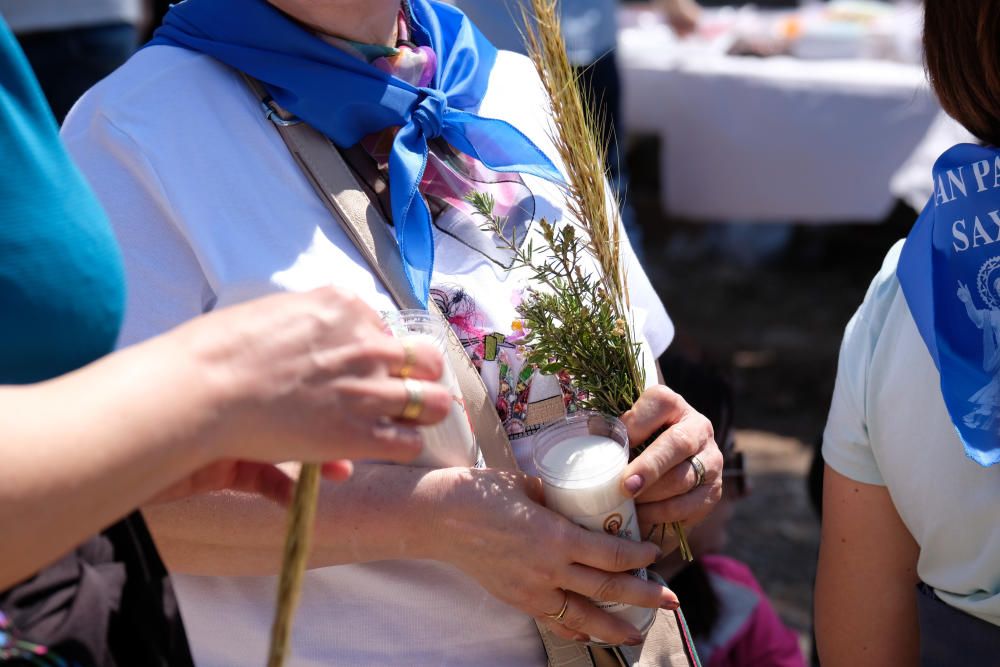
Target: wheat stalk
<point>298,538</point>
<point>584,158</point>
<point>576,142</point>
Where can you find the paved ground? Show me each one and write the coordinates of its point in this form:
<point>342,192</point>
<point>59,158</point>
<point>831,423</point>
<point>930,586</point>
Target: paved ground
<point>774,321</point>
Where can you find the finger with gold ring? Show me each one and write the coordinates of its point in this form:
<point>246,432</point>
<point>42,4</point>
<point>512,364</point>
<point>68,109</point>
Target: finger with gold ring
<point>561,614</point>
<point>699,471</point>
<point>409,360</point>
<point>414,399</point>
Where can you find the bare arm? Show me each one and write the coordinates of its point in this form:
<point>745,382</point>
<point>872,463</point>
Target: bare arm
<point>682,15</point>
<point>977,316</point>
<point>82,450</point>
<point>866,600</point>
<point>488,524</point>
<point>379,514</point>
<point>188,412</point>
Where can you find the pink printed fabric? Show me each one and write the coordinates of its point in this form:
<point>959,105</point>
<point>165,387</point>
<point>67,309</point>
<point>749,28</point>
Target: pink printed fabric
<point>763,640</point>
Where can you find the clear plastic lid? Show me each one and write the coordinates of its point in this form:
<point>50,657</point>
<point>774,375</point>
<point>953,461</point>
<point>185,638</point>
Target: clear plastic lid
<point>414,322</point>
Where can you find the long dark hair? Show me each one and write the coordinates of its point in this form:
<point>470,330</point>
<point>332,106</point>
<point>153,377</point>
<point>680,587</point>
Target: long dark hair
<point>962,52</point>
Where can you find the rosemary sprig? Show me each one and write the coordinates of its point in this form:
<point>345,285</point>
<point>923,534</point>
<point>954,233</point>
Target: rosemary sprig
<point>572,324</point>
<point>602,355</point>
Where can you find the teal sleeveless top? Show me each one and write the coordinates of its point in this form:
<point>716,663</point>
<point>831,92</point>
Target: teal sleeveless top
<point>109,602</point>
<point>61,282</point>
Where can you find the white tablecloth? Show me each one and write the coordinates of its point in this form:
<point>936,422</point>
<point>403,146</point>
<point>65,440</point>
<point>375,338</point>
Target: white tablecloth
<point>772,139</point>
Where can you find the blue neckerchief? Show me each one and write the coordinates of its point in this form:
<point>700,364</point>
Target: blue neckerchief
<point>949,271</point>
<point>347,99</point>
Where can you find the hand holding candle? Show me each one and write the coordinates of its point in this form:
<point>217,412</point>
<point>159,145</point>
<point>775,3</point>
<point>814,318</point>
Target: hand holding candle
<point>663,479</point>
<point>526,555</point>
<point>580,461</point>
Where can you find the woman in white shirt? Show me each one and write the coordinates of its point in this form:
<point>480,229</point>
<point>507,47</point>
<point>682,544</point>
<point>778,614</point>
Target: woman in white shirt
<point>426,567</point>
<point>909,569</point>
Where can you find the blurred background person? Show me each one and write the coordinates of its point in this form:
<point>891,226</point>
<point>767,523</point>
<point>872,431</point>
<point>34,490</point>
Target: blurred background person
<point>73,44</point>
<point>730,616</point>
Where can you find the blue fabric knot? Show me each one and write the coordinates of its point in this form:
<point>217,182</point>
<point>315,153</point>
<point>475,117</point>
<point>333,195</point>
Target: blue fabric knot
<point>347,99</point>
<point>430,111</point>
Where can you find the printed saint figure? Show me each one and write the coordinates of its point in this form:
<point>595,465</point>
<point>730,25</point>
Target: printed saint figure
<point>987,415</point>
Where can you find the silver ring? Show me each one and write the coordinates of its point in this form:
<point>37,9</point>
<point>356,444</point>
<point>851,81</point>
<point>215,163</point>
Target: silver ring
<point>699,471</point>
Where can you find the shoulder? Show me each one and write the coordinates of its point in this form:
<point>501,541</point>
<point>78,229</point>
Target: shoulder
<point>882,292</point>
<point>878,317</point>
<point>162,89</point>
<point>516,66</point>
<point>847,444</point>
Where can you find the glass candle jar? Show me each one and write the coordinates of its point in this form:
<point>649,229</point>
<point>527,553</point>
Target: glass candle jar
<point>451,442</point>
<point>580,461</point>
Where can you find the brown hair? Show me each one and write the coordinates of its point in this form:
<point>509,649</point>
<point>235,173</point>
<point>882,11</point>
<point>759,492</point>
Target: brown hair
<point>962,50</point>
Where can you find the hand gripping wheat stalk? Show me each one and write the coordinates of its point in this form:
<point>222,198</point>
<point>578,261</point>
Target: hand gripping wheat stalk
<point>573,133</point>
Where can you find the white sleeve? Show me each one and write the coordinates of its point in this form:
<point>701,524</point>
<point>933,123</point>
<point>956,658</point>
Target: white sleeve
<point>847,447</point>
<point>164,280</point>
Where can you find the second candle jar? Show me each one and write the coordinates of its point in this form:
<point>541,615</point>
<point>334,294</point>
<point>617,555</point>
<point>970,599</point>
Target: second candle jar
<point>580,461</point>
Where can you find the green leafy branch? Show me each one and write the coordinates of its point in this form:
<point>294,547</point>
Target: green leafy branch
<point>573,324</point>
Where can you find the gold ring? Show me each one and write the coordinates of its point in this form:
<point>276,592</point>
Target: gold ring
<point>562,612</point>
<point>409,360</point>
<point>699,471</point>
<point>414,399</point>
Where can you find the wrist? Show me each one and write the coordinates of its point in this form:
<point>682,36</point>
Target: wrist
<point>192,383</point>
<point>385,512</point>
<point>440,495</point>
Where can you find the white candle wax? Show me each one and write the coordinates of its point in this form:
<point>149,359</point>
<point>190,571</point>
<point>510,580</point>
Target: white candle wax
<point>582,475</point>
<point>582,478</point>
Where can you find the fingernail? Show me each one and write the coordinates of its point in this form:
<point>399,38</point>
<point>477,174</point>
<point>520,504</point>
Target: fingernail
<point>670,604</point>
<point>634,484</point>
<point>634,640</point>
<point>580,637</point>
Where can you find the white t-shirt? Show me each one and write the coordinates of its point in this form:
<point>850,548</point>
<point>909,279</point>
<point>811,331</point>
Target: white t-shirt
<point>211,210</point>
<point>889,426</point>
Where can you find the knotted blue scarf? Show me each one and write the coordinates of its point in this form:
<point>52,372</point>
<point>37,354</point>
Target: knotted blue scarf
<point>347,99</point>
<point>949,271</point>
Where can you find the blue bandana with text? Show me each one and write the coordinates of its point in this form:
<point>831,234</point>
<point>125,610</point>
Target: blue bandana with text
<point>949,271</point>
